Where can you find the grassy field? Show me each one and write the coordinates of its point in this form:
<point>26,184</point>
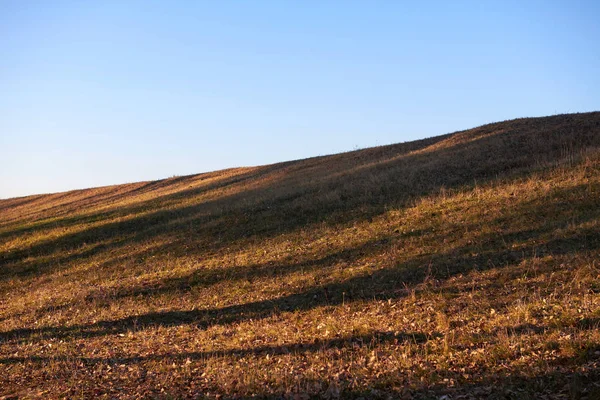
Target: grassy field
<point>463,266</point>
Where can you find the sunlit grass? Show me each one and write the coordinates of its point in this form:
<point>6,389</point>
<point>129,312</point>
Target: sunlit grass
<point>461,264</point>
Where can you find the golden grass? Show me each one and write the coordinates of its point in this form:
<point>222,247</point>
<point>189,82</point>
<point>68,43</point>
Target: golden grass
<point>462,265</point>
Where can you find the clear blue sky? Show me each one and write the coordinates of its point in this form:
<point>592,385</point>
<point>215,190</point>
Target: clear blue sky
<point>105,92</point>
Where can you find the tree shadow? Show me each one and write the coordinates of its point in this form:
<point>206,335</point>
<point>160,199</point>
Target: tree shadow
<point>368,340</point>
<point>563,381</point>
<point>488,251</point>
<point>284,197</point>
<point>385,283</point>
<point>564,376</point>
<point>214,182</point>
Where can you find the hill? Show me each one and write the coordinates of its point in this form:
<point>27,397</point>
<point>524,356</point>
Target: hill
<point>460,265</point>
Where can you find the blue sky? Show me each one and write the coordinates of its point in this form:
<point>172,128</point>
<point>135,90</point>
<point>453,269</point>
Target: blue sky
<point>106,92</point>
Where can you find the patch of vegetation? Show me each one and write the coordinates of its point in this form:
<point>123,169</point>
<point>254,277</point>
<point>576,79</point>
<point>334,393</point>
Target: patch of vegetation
<point>464,266</point>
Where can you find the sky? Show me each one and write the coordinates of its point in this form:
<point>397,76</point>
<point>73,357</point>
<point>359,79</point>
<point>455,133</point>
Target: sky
<point>104,92</point>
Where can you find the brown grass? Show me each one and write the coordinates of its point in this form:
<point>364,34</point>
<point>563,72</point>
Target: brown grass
<point>462,265</point>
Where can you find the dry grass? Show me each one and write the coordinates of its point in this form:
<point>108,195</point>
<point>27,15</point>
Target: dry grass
<point>465,265</point>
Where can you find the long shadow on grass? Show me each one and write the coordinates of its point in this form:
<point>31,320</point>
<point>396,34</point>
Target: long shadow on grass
<point>573,377</point>
<point>369,340</point>
<point>491,250</point>
<point>589,324</point>
<point>336,190</point>
<point>384,283</point>
<point>138,207</point>
<point>566,380</point>
<point>205,277</point>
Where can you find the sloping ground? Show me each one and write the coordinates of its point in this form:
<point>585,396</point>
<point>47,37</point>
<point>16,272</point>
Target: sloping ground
<point>462,265</point>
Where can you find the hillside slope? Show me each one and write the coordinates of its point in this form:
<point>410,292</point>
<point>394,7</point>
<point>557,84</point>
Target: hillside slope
<point>464,264</point>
